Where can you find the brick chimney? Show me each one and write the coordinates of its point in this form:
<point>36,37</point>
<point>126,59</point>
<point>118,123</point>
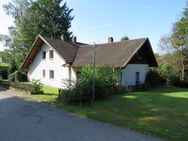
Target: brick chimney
<point>110,39</point>
<point>74,39</point>
<point>63,37</point>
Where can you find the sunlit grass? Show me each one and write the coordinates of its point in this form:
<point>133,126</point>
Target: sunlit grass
<point>49,96</point>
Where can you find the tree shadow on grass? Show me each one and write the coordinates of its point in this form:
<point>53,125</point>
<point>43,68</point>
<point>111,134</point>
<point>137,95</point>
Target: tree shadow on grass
<point>159,112</point>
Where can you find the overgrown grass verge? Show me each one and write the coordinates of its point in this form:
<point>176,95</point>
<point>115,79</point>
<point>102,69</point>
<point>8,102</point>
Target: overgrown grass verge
<point>160,112</point>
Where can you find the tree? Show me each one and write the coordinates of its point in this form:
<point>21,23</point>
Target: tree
<point>171,56</point>
<point>124,38</point>
<point>47,18</point>
<point>44,17</point>
<point>165,44</point>
<point>180,40</point>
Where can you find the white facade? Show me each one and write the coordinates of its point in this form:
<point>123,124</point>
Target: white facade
<point>40,67</point>
<point>133,72</point>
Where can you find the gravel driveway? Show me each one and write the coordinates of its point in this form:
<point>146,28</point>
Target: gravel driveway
<point>22,120</point>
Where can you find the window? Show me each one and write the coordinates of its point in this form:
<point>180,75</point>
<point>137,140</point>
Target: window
<point>43,73</point>
<point>51,74</point>
<point>137,78</point>
<point>51,54</point>
<point>44,55</point>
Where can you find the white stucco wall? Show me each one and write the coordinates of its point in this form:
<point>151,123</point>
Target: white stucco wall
<point>35,70</point>
<point>129,74</point>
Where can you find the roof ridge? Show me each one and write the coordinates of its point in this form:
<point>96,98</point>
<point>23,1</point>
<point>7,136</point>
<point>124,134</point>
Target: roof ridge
<point>116,42</point>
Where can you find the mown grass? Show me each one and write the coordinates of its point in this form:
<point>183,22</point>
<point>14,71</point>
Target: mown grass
<point>49,96</point>
<point>161,112</point>
<point>4,64</point>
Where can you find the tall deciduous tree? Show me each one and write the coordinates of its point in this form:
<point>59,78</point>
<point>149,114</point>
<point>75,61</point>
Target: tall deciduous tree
<point>180,40</point>
<point>171,56</point>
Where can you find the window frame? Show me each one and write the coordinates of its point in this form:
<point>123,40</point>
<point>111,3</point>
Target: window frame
<point>44,55</point>
<point>51,54</point>
<point>51,73</point>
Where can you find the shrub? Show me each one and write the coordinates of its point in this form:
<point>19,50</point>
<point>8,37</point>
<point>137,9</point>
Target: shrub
<point>18,76</point>
<point>36,87</point>
<point>153,79</point>
<point>4,72</point>
<point>13,67</point>
<point>106,80</point>
<point>12,77</point>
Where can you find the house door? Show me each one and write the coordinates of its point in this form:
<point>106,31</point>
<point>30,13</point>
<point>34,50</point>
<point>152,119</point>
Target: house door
<point>137,78</point>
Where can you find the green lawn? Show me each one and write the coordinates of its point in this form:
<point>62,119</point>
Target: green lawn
<point>161,112</point>
<point>49,96</point>
<point>4,64</point>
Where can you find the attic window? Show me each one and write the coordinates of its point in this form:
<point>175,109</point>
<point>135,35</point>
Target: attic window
<point>44,55</point>
<point>51,54</point>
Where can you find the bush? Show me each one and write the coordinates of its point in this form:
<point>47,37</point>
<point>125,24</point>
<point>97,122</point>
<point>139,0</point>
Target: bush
<point>106,80</point>
<point>36,87</point>
<point>4,72</point>
<point>18,76</point>
<point>180,83</point>
<point>153,79</point>
<point>12,77</point>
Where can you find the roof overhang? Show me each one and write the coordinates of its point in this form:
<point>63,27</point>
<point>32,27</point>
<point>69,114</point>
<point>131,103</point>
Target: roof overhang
<point>32,52</point>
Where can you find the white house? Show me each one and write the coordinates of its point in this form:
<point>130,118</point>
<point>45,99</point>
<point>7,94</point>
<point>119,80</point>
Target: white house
<point>53,60</point>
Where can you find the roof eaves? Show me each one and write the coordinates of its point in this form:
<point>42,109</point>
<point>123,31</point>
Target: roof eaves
<point>38,37</point>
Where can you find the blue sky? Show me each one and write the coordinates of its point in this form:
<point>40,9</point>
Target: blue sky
<point>96,20</point>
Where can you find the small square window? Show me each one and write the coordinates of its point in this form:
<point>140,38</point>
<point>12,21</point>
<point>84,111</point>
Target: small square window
<point>51,74</point>
<point>44,55</point>
<point>51,54</point>
<point>43,73</point>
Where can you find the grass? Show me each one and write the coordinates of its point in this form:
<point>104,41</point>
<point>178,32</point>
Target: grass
<point>49,96</point>
<point>161,112</point>
<point>4,65</point>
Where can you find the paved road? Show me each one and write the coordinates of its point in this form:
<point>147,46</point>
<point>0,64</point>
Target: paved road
<point>22,120</point>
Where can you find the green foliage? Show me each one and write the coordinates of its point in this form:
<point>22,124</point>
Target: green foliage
<point>37,87</point>
<point>153,79</point>
<point>106,79</point>
<point>4,69</point>
<point>13,67</point>
<point>180,41</point>
<point>125,38</point>
<point>31,18</point>
<point>18,76</point>
<point>6,56</point>
<point>169,74</point>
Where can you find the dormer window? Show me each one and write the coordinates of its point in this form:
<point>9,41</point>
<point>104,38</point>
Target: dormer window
<point>44,55</point>
<point>51,54</point>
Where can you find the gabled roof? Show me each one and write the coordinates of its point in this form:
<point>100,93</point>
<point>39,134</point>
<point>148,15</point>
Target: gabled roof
<point>67,50</point>
<point>116,54</point>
